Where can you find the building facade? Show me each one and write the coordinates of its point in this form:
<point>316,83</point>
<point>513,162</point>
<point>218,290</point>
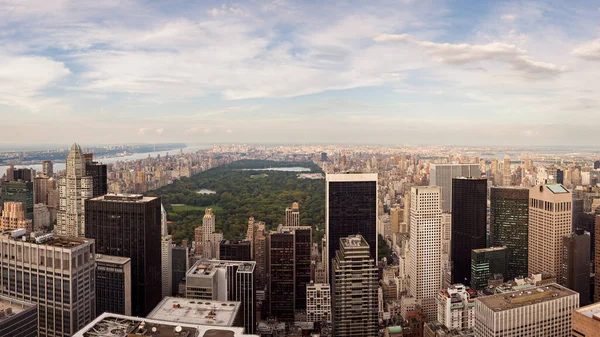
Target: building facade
<point>13,217</point>
<point>318,302</point>
<point>179,267</point>
<point>586,321</point>
<point>281,275</point>
<point>442,174</point>
<point>235,250</point>
<point>487,264</point>
<point>456,307</point>
<point>207,241</point>
<point>113,284</point>
<point>292,215</point>
<point>166,263</point>
<point>576,264</point>
<point>18,318</point>
<point>20,191</point>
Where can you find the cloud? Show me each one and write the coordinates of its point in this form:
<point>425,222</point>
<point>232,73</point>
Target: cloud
<point>589,51</point>
<point>464,53</point>
<point>142,131</point>
<point>191,131</point>
<point>159,131</point>
<point>508,17</point>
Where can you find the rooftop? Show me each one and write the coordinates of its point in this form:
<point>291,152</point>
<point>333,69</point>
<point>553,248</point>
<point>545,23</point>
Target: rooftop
<point>10,307</point>
<point>123,198</point>
<point>112,259</point>
<point>591,311</point>
<point>48,239</point>
<point>209,267</point>
<point>535,295</point>
<point>557,188</point>
<point>490,249</point>
<point>185,310</point>
<point>113,325</point>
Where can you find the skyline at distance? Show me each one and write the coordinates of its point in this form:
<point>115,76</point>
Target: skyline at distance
<point>470,73</point>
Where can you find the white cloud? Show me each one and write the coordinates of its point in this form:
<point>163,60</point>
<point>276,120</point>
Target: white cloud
<point>589,51</point>
<point>159,131</point>
<point>142,131</point>
<point>508,17</point>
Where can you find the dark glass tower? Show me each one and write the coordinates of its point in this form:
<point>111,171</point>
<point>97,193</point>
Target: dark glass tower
<point>129,226</point>
<point>303,243</point>
<point>19,191</point>
<point>486,263</point>
<point>576,264</point>
<point>351,209</point>
<point>509,218</point>
<point>99,177</point>
<point>234,250</point>
<point>180,260</point>
<point>469,214</point>
<point>113,284</point>
<point>281,275</point>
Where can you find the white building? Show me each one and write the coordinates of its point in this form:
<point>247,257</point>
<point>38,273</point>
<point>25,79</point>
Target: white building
<point>292,215</point>
<point>166,246</point>
<point>446,248</point>
<point>74,189</point>
<point>540,311</point>
<point>209,239</point>
<point>318,302</point>
<point>456,307</point>
<point>41,217</point>
<point>425,246</point>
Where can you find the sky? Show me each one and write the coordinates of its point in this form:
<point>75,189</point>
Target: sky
<point>283,71</point>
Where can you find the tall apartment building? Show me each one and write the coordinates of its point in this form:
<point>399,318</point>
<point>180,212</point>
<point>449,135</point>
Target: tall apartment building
<point>318,302</point>
<point>50,270</point>
<point>442,174</point>
<point>354,289</point>
<point>24,174</point>
<point>40,189</point>
<point>509,226</point>
<point>425,247</point>
<point>540,311</point>
<point>225,281</point>
<point>113,284</point>
<point>292,215</point>
<point>350,209</point>
<point>576,264</point>
<point>235,250</point>
<point>47,168</point>
<point>18,318</point>
<point>487,264</point>
<point>41,217</point>
<point>506,172</point>
<point>98,172</point>
<point>456,307</point>
<point>20,191</point>
<point>257,236</point>
<point>166,263</point>
<point>207,241</point>
<point>74,189</point>
<point>13,217</point>
<point>469,224</point>
<point>550,218</point>
<point>130,226</point>
<point>446,262</point>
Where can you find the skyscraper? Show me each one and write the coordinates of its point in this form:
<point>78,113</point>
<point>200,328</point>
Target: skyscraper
<point>509,218</point>
<point>13,217</point>
<point>257,237</point>
<point>47,168</point>
<point>235,250</point>
<point>487,263</point>
<point>20,191</point>
<point>441,175</point>
<point>113,284</point>
<point>129,226</point>
<point>180,265</point>
<point>351,208</point>
<point>550,218</point>
<point>166,246</point>
<point>354,289</point>
<point>209,240</point>
<point>576,264</point>
<point>99,177</point>
<point>281,275</point>
<point>74,189</point>
<point>469,217</point>
<point>425,247</point>
<point>292,215</point>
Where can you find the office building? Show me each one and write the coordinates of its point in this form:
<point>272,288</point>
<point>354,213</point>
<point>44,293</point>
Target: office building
<point>318,302</point>
<point>469,220</point>
<point>281,275</point>
<point>41,186</point>
<point>576,264</point>
<point>540,311</point>
<point>50,270</point>
<point>113,284</point>
<point>235,250</point>
<point>24,174</point>
<point>487,264</point>
<point>114,325</point>
<point>354,289</point>
<point>456,307</point>
<point>550,213</point>
<point>129,226</point>
<point>166,263</point>
<point>47,168</point>
<point>446,262</point>
<point>179,267</point>
<point>586,321</point>
<point>18,318</point>
<point>425,236</point>
<point>292,215</point>
<point>185,310</point>
<point>74,189</point>
<point>225,281</point>
<point>258,245</point>
<point>20,191</point>
<point>509,219</point>
<point>350,209</point>
<point>442,174</point>
<point>99,177</point>
<point>13,217</point>
<point>41,217</point>
<point>207,241</point>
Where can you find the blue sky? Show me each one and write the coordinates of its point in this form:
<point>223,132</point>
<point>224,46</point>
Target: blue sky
<point>436,72</point>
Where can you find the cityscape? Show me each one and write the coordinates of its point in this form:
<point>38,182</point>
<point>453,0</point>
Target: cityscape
<point>293,168</point>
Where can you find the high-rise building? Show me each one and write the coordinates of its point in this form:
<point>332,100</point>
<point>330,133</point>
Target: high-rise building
<point>235,250</point>
<point>509,219</point>
<point>166,246</point>
<point>442,174</point>
<point>13,217</point>
<point>74,189</point>
<point>596,261</point>
<point>18,318</point>
<point>55,272</point>
<point>540,311</point>
<point>19,191</point>
<point>47,168</point>
<point>180,266</point>
<point>225,281</point>
<point>469,220</point>
<point>318,302</point>
<point>40,189</point>
<point>506,173</point>
<point>487,264</point>
<point>24,174</point>
<point>292,215</point>
<point>281,275</point>
<point>446,263</point>
<point>257,237</point>
<point>350,209</point>
<point>576,264</point>
<point>456,307</point>
<point>354,289</point>
<point>129,226</point>
<point>41,217</point>
<point>586,321</point>
<point>99,177</point>
<point>207,241</point>
<point>550,212</point>
<point>323,156</point>
<point>113,284</point>
<point>425,236</point>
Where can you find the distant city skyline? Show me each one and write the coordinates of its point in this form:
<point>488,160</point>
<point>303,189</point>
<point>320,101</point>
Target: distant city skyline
<point>438,72</point>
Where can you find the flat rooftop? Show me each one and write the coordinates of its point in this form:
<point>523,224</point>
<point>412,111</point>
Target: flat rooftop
<point>10,307</point>
<point>123,198</point>
<point>193,311</point>
<point>48,239</point>
<point>112,259</point>
<point>515,299</point>
<point>209,267</point>
<point>490,249</point>
<point>114,325</point>
<point>591,311</point>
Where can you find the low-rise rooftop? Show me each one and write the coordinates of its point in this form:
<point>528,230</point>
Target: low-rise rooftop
<point>48,239</point>
<point>194,311</point>
<point>112,259</point>
<point>209,267</point>
<point>123,198</point>
<point>512,300</point>
<point>10,307</point>
<point>591,311</point>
